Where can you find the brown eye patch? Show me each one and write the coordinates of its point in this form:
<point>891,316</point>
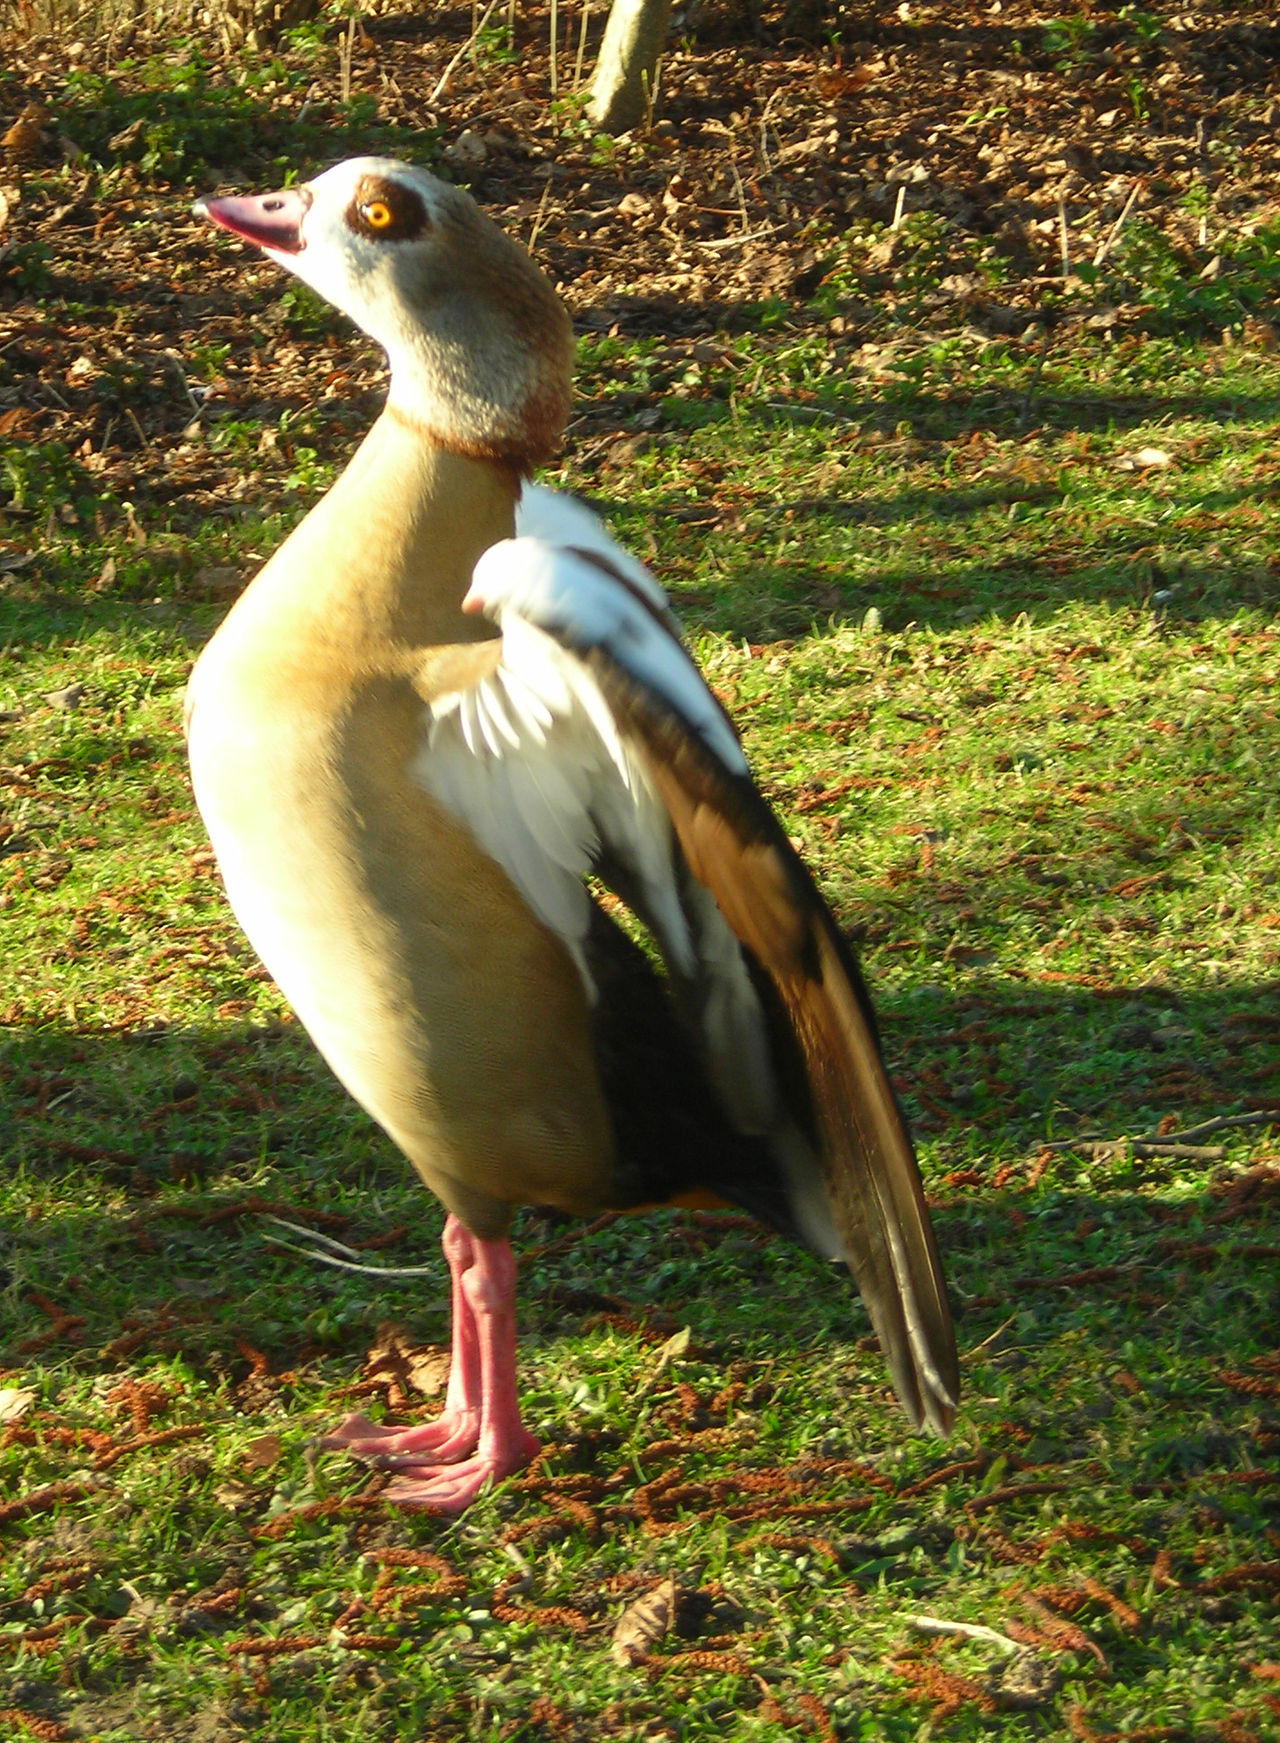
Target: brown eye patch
<point>386,211</point>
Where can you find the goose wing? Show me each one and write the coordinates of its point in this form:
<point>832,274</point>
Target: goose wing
<point>591,742</point>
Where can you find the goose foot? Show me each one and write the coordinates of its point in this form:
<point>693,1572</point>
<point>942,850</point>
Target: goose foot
<point>452,1436</point>
<point>450,1488</point>
<point>478,1438</point>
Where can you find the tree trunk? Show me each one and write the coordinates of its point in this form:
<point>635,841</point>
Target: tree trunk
<point>622,87</point>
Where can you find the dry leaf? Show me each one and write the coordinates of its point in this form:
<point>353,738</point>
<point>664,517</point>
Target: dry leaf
<point>671,1351</point>
<point>643,1623</point>
<point>1143,460</point>
<point>428,1369</point>
<point>262,1453</point>
<point>67,699</point>
<point>421,1368</point>
<point>15,1401</point>
<point>235,1496</point>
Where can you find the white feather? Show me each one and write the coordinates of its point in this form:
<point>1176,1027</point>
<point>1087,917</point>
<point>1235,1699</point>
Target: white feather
<point>575,600</point>
<point>533,760</point>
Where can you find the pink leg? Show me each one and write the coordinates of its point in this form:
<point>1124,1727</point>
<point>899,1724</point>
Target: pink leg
<point>479,1437</point>
<point>453,1434</point>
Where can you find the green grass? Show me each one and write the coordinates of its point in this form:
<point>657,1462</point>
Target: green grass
<point>1015,694</point>
<point>1041,794</point>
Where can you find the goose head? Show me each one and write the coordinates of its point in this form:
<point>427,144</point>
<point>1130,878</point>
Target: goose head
<point>480,346</point>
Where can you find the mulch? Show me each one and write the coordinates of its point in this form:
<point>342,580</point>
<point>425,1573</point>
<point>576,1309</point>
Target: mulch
<point>770,139</point>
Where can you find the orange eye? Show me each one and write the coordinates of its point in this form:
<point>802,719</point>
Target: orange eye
<point>376,214</point>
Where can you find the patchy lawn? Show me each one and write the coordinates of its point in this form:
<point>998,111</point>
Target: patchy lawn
<point>982,555</point>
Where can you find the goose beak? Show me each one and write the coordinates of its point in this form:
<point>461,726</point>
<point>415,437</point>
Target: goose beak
<point>270,220</point>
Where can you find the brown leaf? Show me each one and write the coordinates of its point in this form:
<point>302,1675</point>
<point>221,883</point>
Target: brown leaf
<point>262,1453</point>
<point>421,1368</point>
<point>643,1623</point>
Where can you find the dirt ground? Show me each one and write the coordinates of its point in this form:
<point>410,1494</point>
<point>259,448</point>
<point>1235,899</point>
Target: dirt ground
<point>1024,133</point>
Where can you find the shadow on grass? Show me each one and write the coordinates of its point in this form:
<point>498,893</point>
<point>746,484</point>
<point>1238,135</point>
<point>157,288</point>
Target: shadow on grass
<point>776,600</point>
<point>156,1157</point>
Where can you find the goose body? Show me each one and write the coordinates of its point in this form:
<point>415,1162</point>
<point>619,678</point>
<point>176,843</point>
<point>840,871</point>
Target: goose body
<point>446,699</point>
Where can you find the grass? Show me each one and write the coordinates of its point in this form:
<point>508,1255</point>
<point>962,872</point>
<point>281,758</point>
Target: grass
<point>1013,686</point>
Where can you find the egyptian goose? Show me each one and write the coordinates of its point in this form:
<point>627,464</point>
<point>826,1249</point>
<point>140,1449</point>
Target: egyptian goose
<point>446,699</point>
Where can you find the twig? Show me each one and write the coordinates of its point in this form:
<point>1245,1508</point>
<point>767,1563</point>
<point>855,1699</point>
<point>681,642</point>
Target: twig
<point>582,45</point>
<point>1108,243</point>
<point>737,241</point>
<point>344,60</point>
<point>1225,1123</point>
<point>651,94</point>
<point>326,1251</point>
<point>968,1630</point>
<point>898,209</point>
<point>447,74</point>
<point>970,1354</point>
<point>742,196</point>
<point>1174,1144</point>
<point>764,135</point>
<point>1195,1152</point>
<point>1063,239</point>
<point>809,414</point>
<point>537,220</point>
<point>133,419</point>
<point>554,27</point>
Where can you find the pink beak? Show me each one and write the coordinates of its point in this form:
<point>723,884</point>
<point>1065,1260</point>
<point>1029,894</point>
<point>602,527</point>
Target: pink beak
<point>270,220</point>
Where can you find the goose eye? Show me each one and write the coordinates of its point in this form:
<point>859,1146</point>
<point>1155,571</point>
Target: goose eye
<point>386,211</point>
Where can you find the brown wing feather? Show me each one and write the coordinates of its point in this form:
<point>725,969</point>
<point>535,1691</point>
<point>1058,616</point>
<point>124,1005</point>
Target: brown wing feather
<point>736,848</point>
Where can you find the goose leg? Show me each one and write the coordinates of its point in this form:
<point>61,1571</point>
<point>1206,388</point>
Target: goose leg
<point>478,1437</point>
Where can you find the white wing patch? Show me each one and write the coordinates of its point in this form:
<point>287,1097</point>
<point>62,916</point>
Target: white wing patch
<point>566,592</point>
<point>558,519</point>
<point>532,760</point>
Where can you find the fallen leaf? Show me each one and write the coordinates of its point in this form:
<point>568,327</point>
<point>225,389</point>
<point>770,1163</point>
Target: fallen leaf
<point>262,1453</point>
<point>673,1349</point>
<point>421,1368</point>
<point>67,699</point>
<point>643,1623</point>
<point>235,1496</point>
<point>15,1401</point>
<point>1143,460</point>
<point>1025,1682</point>
<point>468,150</point>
